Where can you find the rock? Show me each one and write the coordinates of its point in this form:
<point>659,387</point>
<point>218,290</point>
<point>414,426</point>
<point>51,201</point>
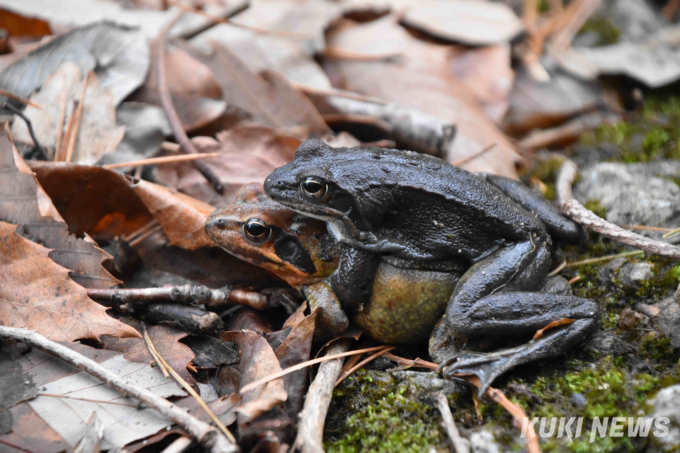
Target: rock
<point>632,275</point>
<point>483,442</point>
<point>578,400</point>
<point>665,318</point>
<point>609,271</point>
<point>607,342</point>
<point>634,194</point>
<point>666,407</point>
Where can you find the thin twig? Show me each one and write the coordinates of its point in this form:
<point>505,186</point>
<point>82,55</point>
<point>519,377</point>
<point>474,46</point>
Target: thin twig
<point>604,258</point>
<point>42,152</point>
<point>188,388</point>
<point>144,236</point>
<point>557,270</point>
<point>370,358</point>
<point>302,365</point>
<point>313,416</point>
<point>18,98</point>
<point>465,160</point>
<point>671,233</point>
<point>175,123</point>
<point>460,444</point>
<point>648,228</point>
<point>86,399</point>
<point>577,212</point>
<point>180,445</point>
<point>160,160</point>
<point>211,438</point>
<point>574,280</point>
<point>60,123</point>
<point>152,351</point>
<point>73,135</point>
<point>61,156</point>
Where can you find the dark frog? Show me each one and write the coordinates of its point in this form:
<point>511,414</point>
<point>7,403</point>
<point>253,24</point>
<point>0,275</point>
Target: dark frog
<point>423,212</point>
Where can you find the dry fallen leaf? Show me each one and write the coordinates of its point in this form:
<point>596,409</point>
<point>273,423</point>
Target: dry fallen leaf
<point>196,92</point>
<point>267,98</point>
<point>247,154</point>
<point>476,23</point>
<point>36,293</point>
<point>257,361</point>
<point>98,133</point>
<point>23,202</point>
<point>422,80</point>
<point>118,55</point>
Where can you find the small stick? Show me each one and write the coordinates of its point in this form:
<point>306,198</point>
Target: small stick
<point>60,123</point>
<point>460,444</point>
<point>302,365</point>
<point>671,233</point>
<point>160,160</point>
<point>307,89</point>
<point>175,124</point>
<point>313,416</point>
<point>180,445</point>
<point>223,20</point>
<point>152,351</point>
<point>146,227</point>
<point>18,98</point>
<point>86,399</point>
<point>144,236</point>
<point>336,53</point>
<point>557,270</point>
<point>76,124</point>
<point>349,364</point>
<point>42,152</point>
<point>67,135</point>
<point>589,220</point>
<point>349,372</point>
<point>574,280</point>
<point>361,119</point>
<point>604,258</point>
<point>467,159</point>
<point>188,388</point>
<point>649,228</point>
<point>211,438</point>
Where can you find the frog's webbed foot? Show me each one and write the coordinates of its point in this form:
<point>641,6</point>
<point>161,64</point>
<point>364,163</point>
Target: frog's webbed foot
<point>489,366</point>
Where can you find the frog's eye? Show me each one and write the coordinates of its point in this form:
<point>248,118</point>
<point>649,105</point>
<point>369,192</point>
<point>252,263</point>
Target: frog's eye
<point>256,230</point>
<point>313,188</point>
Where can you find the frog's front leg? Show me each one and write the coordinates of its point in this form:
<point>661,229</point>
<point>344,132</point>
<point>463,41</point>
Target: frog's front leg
<point>487,302</point>
<point>352,282</point>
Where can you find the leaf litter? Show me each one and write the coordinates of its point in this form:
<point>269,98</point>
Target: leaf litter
<point>450,79</point>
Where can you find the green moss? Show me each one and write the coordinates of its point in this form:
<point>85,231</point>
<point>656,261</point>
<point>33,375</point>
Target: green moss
<point>373,412</point>
<point>607,32</point>
<point>652,135</point>
<point>596,207</point>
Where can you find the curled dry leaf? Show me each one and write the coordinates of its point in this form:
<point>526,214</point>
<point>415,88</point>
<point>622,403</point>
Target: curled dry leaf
<point>265,98</point>
<point>476,23</point>
<point>165,339</point>
<point>118,55</point>
<point>196,92</point>
<point>23,202</point>
<point>257,361</point>
<point>36,293</point>
<point>181,216</point>
<point>421,80</point>
<point>247,154</point>
<point>98,133</point>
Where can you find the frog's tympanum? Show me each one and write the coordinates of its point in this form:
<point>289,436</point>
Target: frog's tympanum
<point>421,210</point>
<point>404,303</point>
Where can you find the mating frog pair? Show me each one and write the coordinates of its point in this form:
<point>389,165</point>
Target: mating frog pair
<point>418,212</point>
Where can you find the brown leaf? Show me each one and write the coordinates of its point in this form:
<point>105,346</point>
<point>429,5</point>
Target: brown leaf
<point>181,216</point>
<point>98,133</point>
<point>36,293</point>
<point>486,71</point>
<point>247,154</point>
<point>196,93</point>
<point>421,80</point>
<point>23,202</point>
<point>165,339</point>
<point>257,361</point>
<point>478,23</point>
<point>267,98</point>
<point>108,208</point>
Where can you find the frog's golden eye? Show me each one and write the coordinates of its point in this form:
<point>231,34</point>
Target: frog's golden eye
<point>256,231</point>
<point>313,188</point>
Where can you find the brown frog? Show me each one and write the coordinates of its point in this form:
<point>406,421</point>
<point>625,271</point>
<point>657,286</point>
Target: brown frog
<point>404,303</point>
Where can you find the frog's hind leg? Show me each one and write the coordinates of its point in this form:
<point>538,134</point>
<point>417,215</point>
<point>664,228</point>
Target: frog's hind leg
<point>518,314</point>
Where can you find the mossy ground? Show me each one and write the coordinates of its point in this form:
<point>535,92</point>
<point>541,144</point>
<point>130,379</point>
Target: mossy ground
<point>388,416</point>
